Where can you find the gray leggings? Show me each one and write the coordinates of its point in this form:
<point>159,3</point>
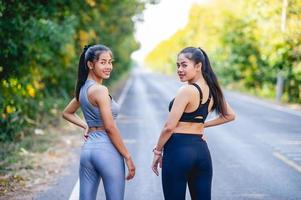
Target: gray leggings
<point>99,159</point>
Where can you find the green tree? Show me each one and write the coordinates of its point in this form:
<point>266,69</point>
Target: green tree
<point>245,43</point>
<point>40,45</point>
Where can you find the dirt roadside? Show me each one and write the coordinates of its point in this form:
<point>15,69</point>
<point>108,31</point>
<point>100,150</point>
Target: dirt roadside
<point>36,171</point>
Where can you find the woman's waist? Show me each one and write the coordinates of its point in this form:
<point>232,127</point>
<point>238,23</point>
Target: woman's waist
<point>98,136</point>
<point>189,128</point>
<point>96,128</point>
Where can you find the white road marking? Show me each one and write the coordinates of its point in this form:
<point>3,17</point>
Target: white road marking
<point>129,141</point>
<point>267,104</point>
<point>124,92</point>
<point>75,192</point>
<point>287,161</point>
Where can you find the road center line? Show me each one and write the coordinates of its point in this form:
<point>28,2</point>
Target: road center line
<point>124,92</point>
<point>287,161</point>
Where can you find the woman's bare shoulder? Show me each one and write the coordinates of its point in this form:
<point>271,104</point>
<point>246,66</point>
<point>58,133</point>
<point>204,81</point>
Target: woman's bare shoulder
<point>185,91</point>
<point>98,89</point>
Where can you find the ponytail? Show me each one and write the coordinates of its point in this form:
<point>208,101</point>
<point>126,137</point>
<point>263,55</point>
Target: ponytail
<point>211,79</point>
<point>82,74</point>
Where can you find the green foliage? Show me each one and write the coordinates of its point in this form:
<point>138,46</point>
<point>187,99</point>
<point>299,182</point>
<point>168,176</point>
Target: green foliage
<point>40,46</point>
<point>245,43</point>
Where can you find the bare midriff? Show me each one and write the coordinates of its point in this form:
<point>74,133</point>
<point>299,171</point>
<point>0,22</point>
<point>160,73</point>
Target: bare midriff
<point>189,128</point>
<point>100,128</point>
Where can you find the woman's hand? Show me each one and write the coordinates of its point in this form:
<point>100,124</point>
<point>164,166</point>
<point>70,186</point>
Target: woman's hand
<point>157,161</point>
<point>131,168</point>
<point>86,133</point>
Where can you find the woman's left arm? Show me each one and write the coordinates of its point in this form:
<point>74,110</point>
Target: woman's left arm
<point>230,116</point>
<point>70,115</point>
<point>179,105</point>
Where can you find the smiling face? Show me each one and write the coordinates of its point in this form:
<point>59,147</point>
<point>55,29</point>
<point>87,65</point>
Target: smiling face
<point>187,70</point>
<point>103,66</point>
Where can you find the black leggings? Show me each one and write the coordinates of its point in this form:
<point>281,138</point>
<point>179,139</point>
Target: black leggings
<point>186,159</point>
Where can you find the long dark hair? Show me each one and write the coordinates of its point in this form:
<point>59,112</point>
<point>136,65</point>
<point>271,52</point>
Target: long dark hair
<point>198,55</point>
<point>90,53</point>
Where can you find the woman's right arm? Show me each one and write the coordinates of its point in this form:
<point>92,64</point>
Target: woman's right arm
<point>230,116</point>
<point>102,99</point>
<point>70,115</point>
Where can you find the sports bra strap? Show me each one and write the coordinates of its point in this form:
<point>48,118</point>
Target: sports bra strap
<point>200,91</point>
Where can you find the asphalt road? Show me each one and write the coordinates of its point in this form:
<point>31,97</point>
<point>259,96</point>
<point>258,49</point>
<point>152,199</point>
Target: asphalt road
<point>258,156</point>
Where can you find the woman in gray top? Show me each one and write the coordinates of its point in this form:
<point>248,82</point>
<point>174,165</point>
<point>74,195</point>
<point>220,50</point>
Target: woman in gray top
<point>103,153</point>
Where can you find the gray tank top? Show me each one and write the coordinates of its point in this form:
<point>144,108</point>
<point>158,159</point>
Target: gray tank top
<point>91,113</point>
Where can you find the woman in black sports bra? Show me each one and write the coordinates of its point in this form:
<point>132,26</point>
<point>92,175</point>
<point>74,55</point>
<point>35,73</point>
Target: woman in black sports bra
<point>186,157</point>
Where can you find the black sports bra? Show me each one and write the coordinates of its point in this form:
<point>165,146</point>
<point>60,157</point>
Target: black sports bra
<point>200,114</point>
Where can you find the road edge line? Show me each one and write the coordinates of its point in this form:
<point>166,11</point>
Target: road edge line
<point>265,103</point>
